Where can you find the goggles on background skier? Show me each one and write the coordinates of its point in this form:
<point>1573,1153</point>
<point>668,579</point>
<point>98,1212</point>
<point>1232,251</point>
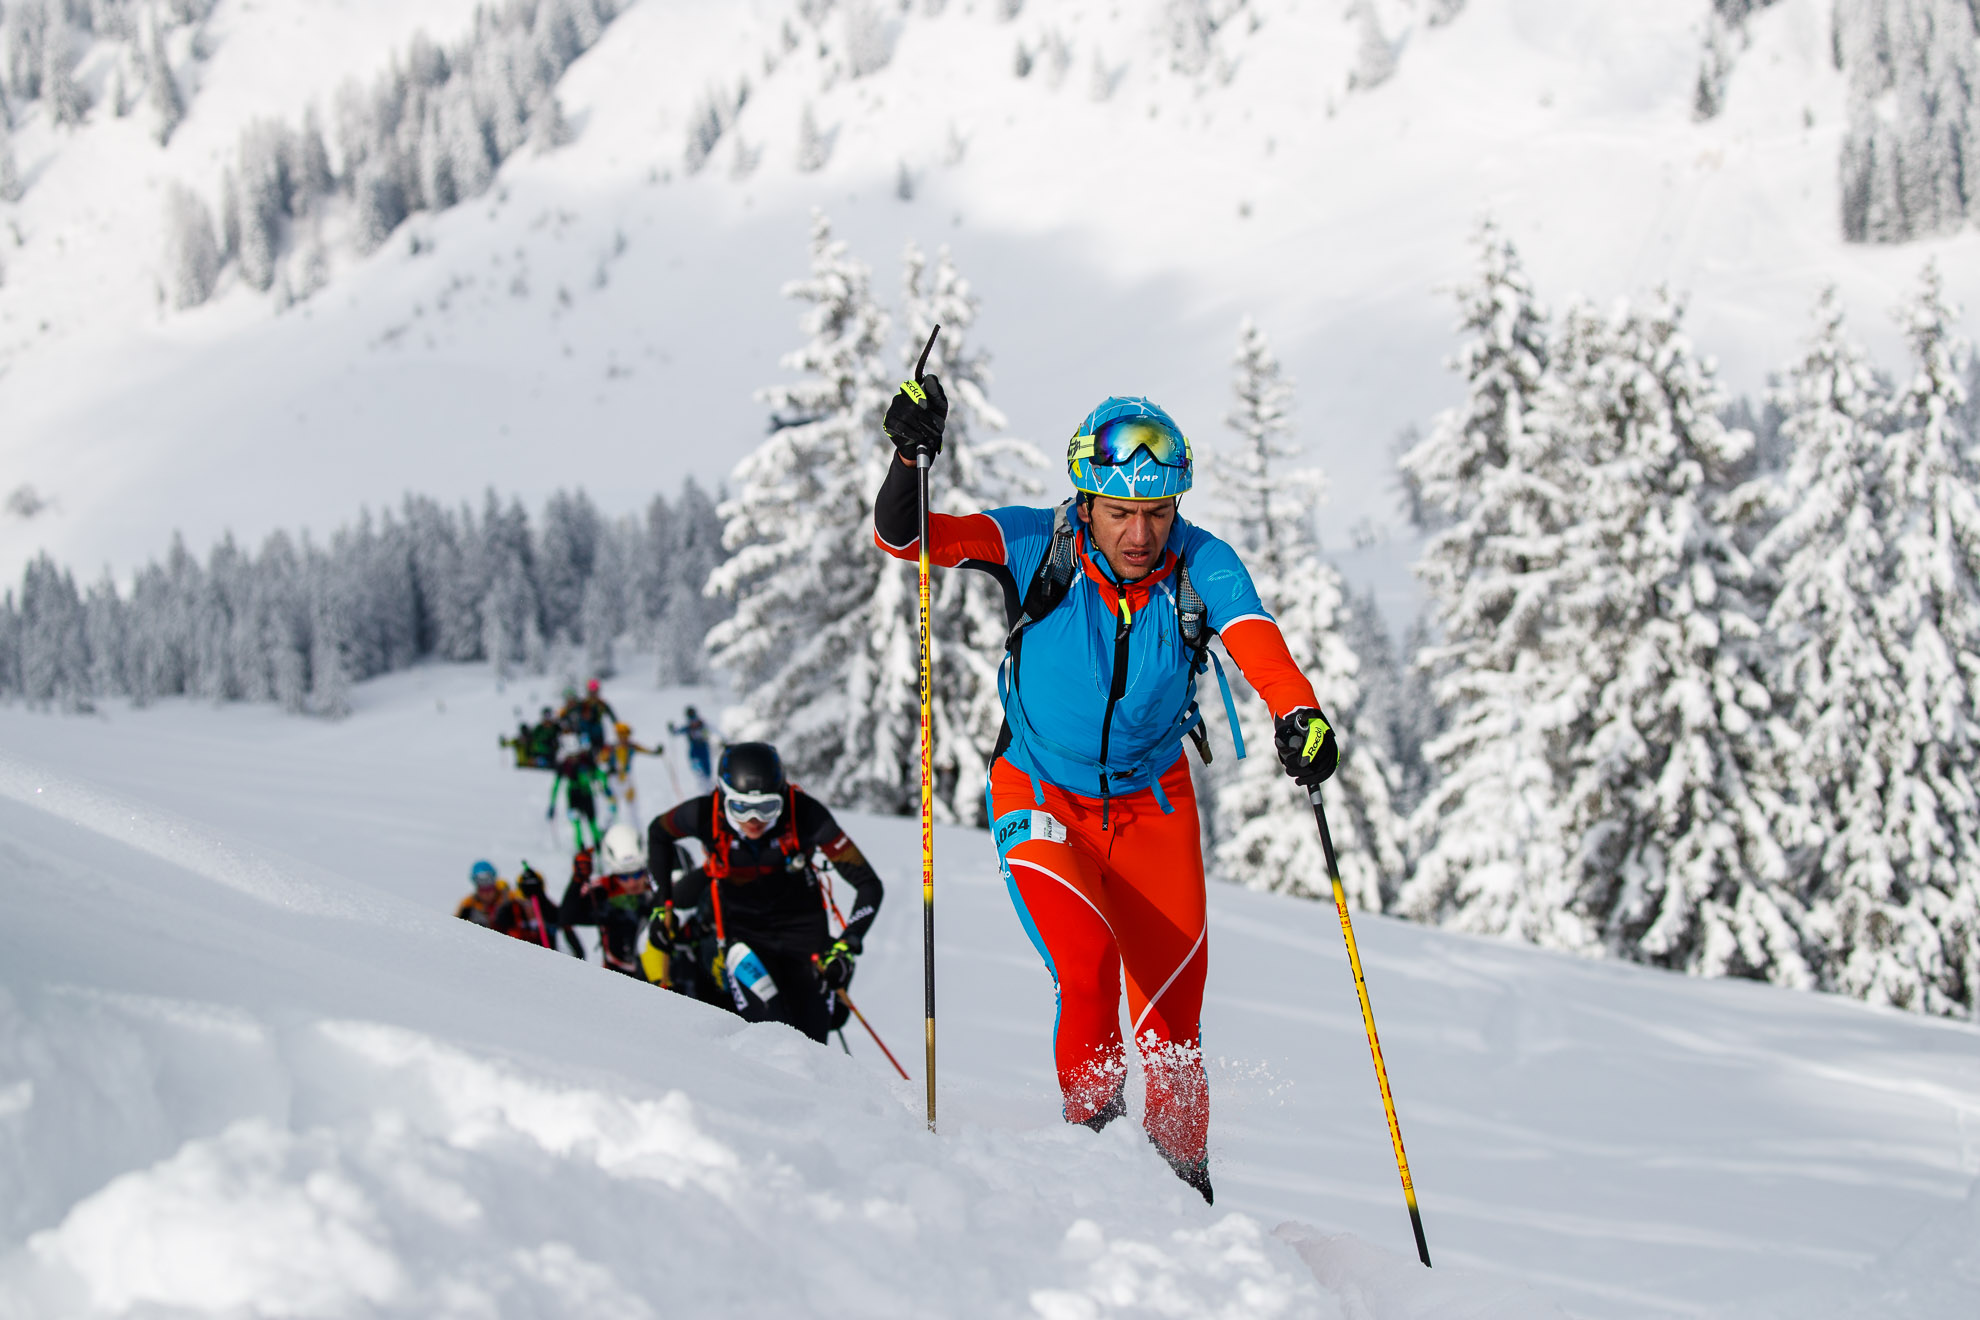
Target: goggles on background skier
<point>763,808</point>
<point>1115,443</point>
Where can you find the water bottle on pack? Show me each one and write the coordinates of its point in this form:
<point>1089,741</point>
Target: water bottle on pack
<point>748,971</point>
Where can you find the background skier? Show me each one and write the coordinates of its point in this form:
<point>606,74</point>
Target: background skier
<point>757,887</point>
<point>696,733</point>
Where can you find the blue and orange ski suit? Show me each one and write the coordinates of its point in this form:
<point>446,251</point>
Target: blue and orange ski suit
<point>1090,799</point>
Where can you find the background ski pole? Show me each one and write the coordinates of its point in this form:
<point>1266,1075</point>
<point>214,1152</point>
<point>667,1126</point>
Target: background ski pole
<point>847,1001</point>
<point>922,459</point>
<point>1368,1021</point>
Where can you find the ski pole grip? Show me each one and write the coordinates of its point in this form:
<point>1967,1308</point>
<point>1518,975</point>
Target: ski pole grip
<point>926,349</point>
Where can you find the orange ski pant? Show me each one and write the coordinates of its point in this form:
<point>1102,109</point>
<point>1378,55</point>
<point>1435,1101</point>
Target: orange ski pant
<point>1108,906</point>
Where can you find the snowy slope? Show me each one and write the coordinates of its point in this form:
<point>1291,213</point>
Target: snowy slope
<point>249,1065</point>
<point>603,317</point>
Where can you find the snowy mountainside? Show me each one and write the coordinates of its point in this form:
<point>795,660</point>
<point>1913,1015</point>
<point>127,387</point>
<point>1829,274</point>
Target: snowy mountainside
<point>603,310</point>
<point>249,1064</point>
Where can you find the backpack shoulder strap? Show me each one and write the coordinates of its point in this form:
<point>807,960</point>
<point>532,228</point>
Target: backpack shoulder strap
<point>1053,579</point>
<point>1192,617</point>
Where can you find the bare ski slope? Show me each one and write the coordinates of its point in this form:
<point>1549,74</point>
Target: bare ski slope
<point>600,316</point>
<point>250,1066</point>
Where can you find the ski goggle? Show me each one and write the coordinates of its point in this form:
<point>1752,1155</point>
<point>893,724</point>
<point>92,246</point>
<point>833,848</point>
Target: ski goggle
<point>763,808</point>
<point>1116,442</point>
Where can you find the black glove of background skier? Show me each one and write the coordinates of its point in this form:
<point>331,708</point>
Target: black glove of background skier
<point>915,425</point>
<point>530,883</point>
<point>835,967</point>
<point>1306,746</point>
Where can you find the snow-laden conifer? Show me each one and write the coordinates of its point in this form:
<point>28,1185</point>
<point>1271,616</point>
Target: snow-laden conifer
<point>977,470</point>
<point>1834,663</point>
<point>54,653</point>
<point>1901,923</point>
<point>1672,857</point>
<point>1911,159</point>
<point>65,98</point>
<point>1265,831</point>
<point>10,170</point>
<point>812,649</point>
<point>161,90</point>
<point>192,254</point>
<point>1488,843</point>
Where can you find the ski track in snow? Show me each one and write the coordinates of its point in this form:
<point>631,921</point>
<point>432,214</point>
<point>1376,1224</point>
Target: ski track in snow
<point>249,1065</point>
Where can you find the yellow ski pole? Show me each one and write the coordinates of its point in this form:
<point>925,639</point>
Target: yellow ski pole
<point>1368,1021</point>
<point>922,459</point>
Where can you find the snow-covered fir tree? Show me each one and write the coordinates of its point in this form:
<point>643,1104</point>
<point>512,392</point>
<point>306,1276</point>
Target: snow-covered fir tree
<point>684,546</point>
<point>1665,763</point>
<point>1265,831</point>
<point>10,170</point>
<point>1398,711</point>
<point>977,470</point>
<point>1911,159</point>
<point>1488,845</point>
<point>814,649</point>
<point>1900,923</point>
<point>1837,667</point>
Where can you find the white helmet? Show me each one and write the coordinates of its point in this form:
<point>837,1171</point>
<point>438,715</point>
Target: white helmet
<point>621,851</point>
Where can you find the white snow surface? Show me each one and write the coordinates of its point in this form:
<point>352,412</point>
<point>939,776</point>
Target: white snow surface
<point>601,316</point>
<point>251,1066</point>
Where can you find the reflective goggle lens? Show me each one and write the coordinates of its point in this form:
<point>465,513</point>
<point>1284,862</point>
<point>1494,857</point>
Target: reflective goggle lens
<point>751,806</point>
<point>1116,442</point>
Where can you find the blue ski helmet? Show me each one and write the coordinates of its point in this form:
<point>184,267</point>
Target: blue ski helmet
<point>1129,449</point>
<point>482,873</point>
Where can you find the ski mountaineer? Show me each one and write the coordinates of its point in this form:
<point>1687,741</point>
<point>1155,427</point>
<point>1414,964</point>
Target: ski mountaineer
<point>696,733</point>
<point>582,781</point>
<point>494,905</point>
<point>1111,599</point>
<point>616,900</point>
<point>588,717</point>
<point>756,907</point>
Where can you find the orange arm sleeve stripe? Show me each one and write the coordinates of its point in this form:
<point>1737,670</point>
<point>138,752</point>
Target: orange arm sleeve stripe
<point>952,539</point>
<point>1260,651</point>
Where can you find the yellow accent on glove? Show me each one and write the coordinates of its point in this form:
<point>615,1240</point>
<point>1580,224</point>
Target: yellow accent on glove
<point>914,391</point>
<point>1316,733</point>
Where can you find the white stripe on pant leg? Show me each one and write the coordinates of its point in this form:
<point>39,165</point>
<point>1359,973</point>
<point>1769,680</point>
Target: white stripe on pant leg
<point>1149,1007</point>
<point>1018,861</point>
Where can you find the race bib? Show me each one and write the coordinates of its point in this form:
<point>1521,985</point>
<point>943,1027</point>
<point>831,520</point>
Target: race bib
<point>1014,827</point>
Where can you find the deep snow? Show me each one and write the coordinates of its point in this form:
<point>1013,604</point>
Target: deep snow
<point>249,1065</point>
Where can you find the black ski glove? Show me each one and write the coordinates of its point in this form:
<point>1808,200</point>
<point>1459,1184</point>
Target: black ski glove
<point>529,882</point>
<point>915,424</point>
<point>1306,746</point>
<point>835,965</point>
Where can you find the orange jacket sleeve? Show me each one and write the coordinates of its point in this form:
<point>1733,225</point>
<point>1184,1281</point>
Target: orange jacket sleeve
<point>1259,649</point>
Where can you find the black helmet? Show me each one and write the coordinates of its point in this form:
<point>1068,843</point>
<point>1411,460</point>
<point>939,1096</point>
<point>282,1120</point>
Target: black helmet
<point>752,779</point>
<point>750,769</point>
<point>690,713</point>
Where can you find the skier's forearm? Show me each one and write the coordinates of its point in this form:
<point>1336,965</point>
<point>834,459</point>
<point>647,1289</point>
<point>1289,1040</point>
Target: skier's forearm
<point>663,858</point>
<point>855,870</point>
<point>867,893</point>
<point>953,541</point>
<point>896,510</point>
<point>1259,649</point>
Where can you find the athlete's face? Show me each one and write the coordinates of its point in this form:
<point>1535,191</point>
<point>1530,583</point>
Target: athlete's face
<point>1130,533</point>
<point>756,829</point>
